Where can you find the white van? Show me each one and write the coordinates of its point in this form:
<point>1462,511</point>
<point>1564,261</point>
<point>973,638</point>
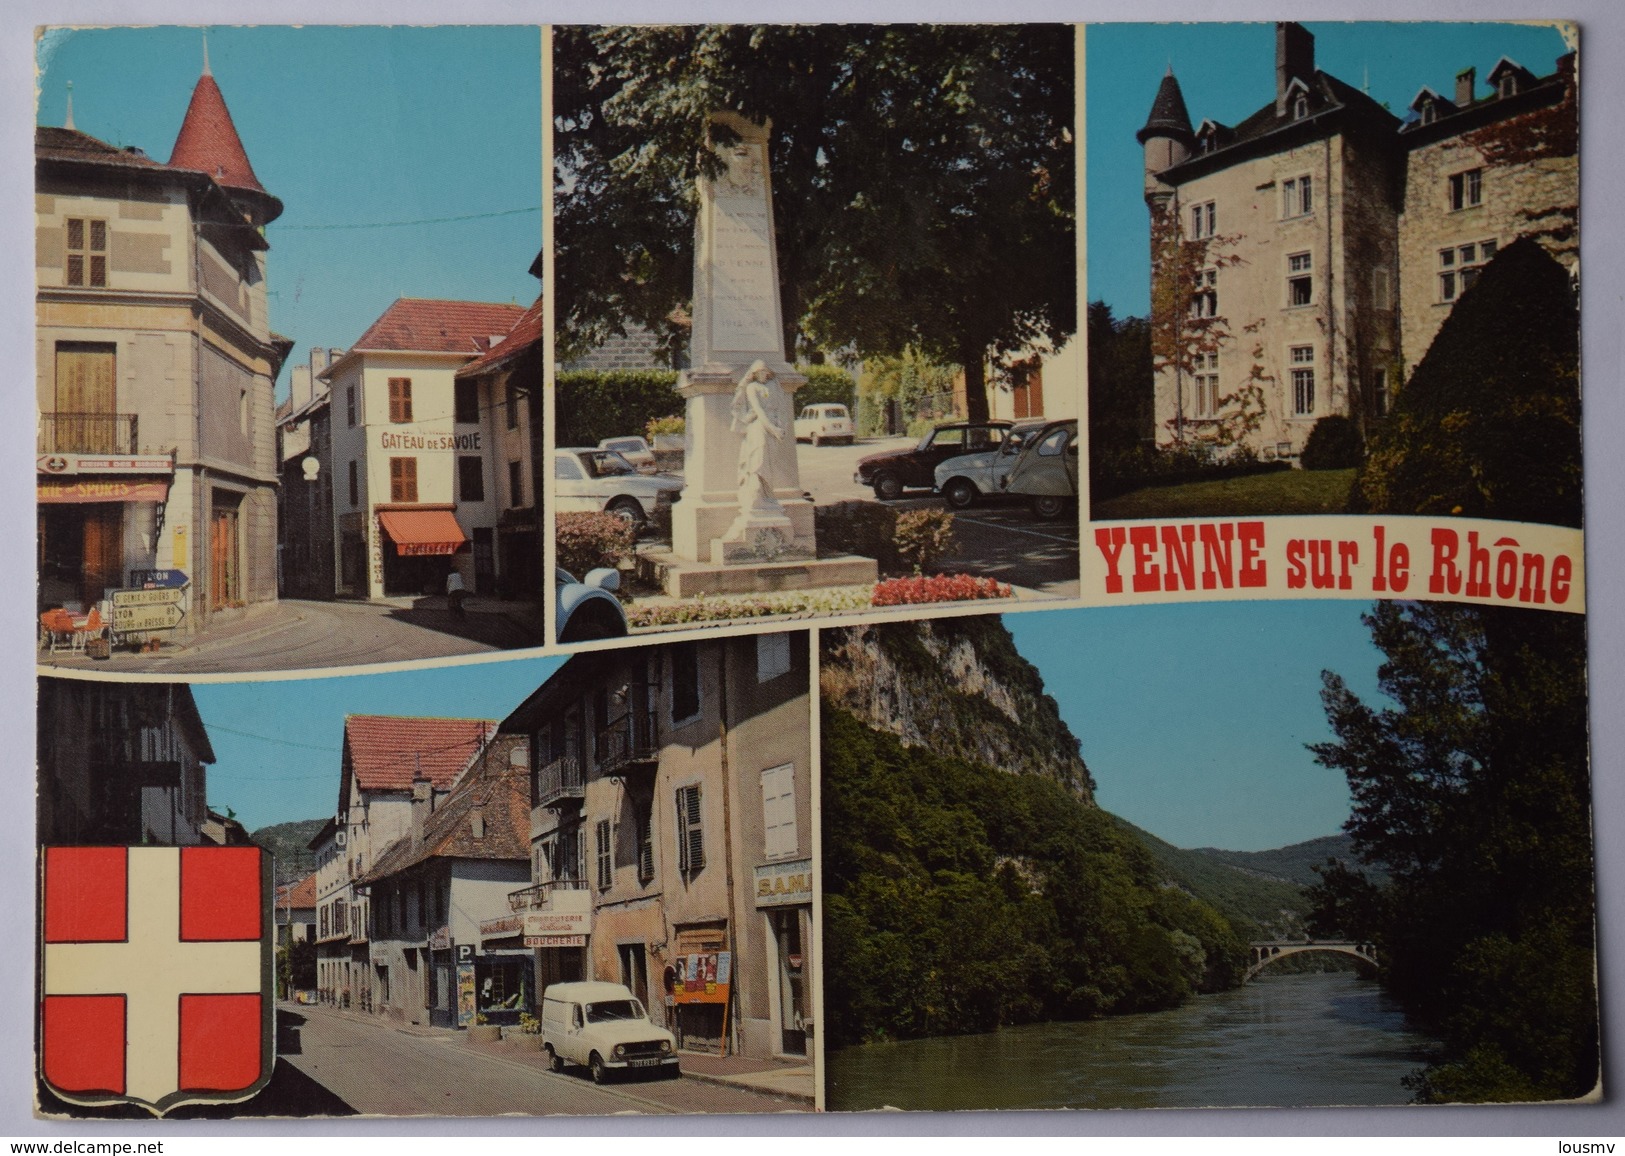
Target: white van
<point>823,423</point>
<point>603,1027</point>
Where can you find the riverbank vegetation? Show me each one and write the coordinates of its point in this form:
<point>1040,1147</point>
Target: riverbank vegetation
<point>1472,791</point>
<point>960,898</point>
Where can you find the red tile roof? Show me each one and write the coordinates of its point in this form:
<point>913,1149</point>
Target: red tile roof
<point>299,895</point>
<point>385,752</point>
<point>67,144</point>
<point>502,792</point>
<point>527,332</point>
<point>208,140</point>
<point>418,325</point>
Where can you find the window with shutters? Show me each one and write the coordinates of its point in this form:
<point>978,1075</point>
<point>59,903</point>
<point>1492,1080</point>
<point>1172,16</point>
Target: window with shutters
<point>349,406</point>
<point>685,682</point>
<point>606,860</point>
<point>644,817</point>
<point>690,831</point>
<point>87,252</point>
<point>779,812</point>
<point>403,479</point>
<point>400,399</point>
<point>772,656</point>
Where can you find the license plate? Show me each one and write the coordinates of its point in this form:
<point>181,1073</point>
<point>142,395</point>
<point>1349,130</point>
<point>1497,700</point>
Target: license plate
<point>649,1063</point>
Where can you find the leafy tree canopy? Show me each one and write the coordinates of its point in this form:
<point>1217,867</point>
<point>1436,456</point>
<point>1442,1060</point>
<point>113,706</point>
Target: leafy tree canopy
<point>922,176</point>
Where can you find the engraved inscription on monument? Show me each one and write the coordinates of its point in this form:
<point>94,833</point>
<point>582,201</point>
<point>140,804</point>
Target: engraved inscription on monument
<point>744,316</point>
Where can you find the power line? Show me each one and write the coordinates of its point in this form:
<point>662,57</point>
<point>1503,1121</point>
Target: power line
<point>404,224</point>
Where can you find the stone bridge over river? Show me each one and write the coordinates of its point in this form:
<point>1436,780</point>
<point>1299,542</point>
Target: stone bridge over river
<point>1267,951</point>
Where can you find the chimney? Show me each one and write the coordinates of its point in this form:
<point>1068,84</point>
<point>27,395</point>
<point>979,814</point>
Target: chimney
<point>476,820</point>
<point>1294,59</point>
<point>422,804</point>
<point>1466,81</point>
<point>299,388</point>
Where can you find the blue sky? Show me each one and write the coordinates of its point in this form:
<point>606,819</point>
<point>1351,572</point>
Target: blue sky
<point>349,127</point>
<point>1227,72</point>
<point>277,744</point>
<point>1193,718</point>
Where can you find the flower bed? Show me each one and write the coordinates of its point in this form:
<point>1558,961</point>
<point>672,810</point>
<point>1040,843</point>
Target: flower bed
<point>716,608</point>
<point>936,588</point>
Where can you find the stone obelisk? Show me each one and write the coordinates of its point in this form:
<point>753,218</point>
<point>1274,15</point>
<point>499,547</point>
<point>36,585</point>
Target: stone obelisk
<point>743,503</point>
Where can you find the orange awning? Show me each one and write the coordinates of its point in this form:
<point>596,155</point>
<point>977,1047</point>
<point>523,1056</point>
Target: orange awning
<point>422,531</point>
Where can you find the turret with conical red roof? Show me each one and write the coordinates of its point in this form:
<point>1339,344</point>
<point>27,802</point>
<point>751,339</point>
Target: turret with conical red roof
<point>208,143</point>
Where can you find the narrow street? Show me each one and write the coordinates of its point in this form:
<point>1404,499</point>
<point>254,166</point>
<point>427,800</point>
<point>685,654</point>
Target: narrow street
<point>341,1065</point>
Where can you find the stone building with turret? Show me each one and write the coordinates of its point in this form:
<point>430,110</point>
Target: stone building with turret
<point>1303,259</point>
<point>155,366</point>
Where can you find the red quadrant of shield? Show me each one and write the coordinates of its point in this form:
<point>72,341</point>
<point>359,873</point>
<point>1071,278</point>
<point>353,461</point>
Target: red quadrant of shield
<point>83,1040</point>
<point>85,894</point>
<point>220,1042</point>
<point>220,893</point>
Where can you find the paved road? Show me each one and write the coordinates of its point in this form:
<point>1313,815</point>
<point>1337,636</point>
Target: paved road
<point>341,1066</point>
<point>298,635</point>
<point>998,538</point>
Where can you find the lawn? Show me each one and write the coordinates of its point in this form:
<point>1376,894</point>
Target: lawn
<point>1285,492</point>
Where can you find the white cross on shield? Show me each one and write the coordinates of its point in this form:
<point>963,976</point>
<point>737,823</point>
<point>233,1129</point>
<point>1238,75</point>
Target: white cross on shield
<point>155,974</point>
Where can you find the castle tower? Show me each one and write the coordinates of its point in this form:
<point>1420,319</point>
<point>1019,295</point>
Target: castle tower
<point>1167,138</point>
<point>208,143</point>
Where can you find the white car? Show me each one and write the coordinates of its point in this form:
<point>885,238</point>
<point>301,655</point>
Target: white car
<point>634,449</point>
<point>590,480</point>
<point>603,1028</point>
<point>962,480</point>
<point>824,422</point>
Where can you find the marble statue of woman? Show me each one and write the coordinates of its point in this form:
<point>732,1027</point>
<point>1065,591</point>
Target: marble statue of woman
<point>752,409</point>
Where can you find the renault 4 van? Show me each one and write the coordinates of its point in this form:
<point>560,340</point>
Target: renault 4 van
<point>603,1028</point>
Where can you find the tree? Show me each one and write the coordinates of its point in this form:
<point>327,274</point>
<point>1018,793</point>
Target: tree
<point>1120,381</point>
<point>1473,793</point>
<point>1489,424</point>
<point>922,176</point>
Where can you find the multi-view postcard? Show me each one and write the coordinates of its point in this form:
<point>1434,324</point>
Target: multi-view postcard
<point>1059,583</point>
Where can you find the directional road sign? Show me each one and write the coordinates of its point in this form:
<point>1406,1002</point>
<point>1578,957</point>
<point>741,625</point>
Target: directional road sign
<point>132,619</point>
<point>163,596</point>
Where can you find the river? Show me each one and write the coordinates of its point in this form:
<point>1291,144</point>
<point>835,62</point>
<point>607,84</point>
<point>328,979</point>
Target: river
<point>1280,1041</point>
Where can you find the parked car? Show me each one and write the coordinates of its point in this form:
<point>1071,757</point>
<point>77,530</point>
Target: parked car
<point>890,473</point>
<point>588,609</point>
<point>824,422</point>
<point>964,479</point>
<point>603,1028</point>
<point>634,449</point>
<point>588,479</point>
<point>1046,470</point>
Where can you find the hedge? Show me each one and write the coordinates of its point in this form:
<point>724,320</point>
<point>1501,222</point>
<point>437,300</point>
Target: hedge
<point>591,405</point>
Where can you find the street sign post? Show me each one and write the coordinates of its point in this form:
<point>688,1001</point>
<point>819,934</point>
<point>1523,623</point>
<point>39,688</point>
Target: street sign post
<point>163,596</point>
<point>138,619</point>
<point>148,579</point>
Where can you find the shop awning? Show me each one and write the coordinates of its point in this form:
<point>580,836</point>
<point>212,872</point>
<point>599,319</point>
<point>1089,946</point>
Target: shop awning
<point>417,532</point>
<point>102,489</point>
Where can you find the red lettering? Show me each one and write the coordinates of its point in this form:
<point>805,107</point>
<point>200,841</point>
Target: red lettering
<point>1180,563</point>
<point>1146,575</point>
<point>1445,577</point>
<point>1399,569</point>
<point>1478,567</point>
<point>1109,540</point>
<point>1348,556</point>
<point>1562,573</point>
<point>1296,575</point>
<point>1216,540</point>
<point>1252,541</point>
<point>1534,578</point>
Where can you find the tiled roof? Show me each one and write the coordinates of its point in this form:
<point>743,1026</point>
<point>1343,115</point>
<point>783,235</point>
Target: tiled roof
<point>208,140</point>
<point>386,752</point>
<point>68,144</point>
<point>299,895</point>
<point>527,332</point>
<point>419,325</point>
<point>503,793</point>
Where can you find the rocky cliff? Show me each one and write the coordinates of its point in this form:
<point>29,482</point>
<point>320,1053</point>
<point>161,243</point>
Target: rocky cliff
<point>957,686</point>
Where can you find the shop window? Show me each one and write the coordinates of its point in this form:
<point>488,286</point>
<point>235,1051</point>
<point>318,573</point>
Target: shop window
<point>690,830</point>
<point>403,479</point>
<point>779,812</point>
<point>400,399</point>
<point>87,252</point>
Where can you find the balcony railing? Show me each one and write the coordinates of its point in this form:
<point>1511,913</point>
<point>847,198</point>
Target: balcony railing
<point>537,897</point>
<point>627,741</point>
<point>559,780</point>
<point>93,433</point>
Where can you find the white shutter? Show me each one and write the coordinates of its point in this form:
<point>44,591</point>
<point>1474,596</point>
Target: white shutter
<point>779,811</point>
